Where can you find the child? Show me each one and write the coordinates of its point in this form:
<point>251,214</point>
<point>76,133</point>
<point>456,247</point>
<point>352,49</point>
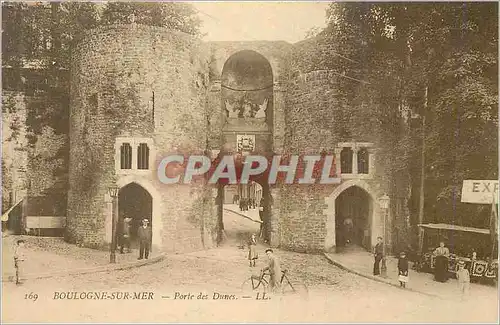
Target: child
<point>463,278</point>
<point>403,269</point>
<point>252,250</point>
<point>19,258</point>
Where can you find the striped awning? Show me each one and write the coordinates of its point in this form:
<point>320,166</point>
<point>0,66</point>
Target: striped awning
<point>443,226</point>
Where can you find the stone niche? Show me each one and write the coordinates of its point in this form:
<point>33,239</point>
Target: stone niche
<point>247,93</point>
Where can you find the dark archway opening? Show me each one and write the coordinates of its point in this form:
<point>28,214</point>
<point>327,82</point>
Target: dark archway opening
<point>247,105</point>
<point>352,218</point>
<point>247,92</point>
<point>243,211</point>
<point>136,203</point>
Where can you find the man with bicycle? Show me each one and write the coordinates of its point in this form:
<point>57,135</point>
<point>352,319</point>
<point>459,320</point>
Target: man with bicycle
<point>274,269</point>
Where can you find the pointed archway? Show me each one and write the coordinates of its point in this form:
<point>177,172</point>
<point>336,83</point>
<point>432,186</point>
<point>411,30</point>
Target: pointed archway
<point>352,218</point>
<point>373,218</point>
<point>156,207</point>
<point>136,203</point>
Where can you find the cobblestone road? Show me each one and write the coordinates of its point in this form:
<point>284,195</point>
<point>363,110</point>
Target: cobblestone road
<point>334,295</point>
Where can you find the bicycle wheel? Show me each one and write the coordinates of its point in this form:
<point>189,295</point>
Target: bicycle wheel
<point>253,284</point>
<point>294,287</point>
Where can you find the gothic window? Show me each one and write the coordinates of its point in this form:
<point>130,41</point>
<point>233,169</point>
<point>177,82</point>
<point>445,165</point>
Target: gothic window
<point>143,156</point>
<point>126,156</point>
<point>363,161</point>
<point>346,160</point>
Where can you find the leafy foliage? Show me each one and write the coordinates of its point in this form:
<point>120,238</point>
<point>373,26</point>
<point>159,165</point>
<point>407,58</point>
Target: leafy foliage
<point>45,32</point>
<point>36,48</point>
<point>402,48</point>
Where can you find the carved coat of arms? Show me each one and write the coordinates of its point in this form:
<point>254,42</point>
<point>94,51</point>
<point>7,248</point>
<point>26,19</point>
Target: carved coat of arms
<point>245,143</point>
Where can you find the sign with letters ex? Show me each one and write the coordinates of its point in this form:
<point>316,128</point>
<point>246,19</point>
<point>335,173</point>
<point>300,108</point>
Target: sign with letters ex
<point>480,191</point>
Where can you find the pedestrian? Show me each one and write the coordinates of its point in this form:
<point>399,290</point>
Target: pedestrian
<point>252,250</point>
<point>441,255</point>
<point>144,233</point>
<point>379,254</point>
<point>19,259</point>
<point>348,227</point>
<point>463,278</point>
<point>403,269</point>
<point>125,239</point>
<point>274,269</point>
<point>261,216</point>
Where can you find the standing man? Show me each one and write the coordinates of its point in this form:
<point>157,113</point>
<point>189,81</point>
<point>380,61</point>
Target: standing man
<point>144,233</point>
<point>274,269</point>
<point>241,203</point>
<point>19,258</point>
<point>379,254</point>
<point>125,235</point>
<point>463,278</point>
<point>261,216</point>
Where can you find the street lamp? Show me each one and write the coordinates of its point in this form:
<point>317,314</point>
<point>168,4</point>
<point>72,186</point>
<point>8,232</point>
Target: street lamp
<point>113,192</point>
<point>384,204</point>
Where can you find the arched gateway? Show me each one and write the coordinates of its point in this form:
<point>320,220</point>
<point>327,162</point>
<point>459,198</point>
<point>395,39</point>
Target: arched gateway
<point>355,200</point>
<point>137,199</point>
<point>229,97</point>
<point>247,84</point>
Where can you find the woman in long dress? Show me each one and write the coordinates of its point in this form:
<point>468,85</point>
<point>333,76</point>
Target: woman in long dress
<point>252,250</point>
<point>441,267</point>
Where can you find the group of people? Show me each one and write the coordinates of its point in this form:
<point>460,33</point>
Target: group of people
<point>273,267</point>
<point>247,203</point>
<point>144,235</point>
<point>441,254</point>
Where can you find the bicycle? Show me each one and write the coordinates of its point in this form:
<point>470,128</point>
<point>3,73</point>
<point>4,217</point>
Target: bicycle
<point>261,283</point>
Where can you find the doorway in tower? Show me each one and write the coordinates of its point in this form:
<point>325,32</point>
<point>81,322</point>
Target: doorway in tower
<point>242,213</point>
<point>136,203</point>
<point>352,218</point>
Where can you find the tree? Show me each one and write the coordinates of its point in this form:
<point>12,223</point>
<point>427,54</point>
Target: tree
<point>44,32</point>
<point>450,49</point>
<point>36,47</point>
<point>177,16</point>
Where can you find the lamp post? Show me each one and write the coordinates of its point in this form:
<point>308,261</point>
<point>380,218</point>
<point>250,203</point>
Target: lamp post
<point>384,204</point>
<point>113,192</point>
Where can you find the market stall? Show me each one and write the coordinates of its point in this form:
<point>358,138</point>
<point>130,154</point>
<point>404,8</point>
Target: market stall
<point>472,245</point>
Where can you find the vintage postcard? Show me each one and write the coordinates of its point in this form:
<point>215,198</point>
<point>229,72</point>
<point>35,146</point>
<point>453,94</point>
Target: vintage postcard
<point>305,162</point>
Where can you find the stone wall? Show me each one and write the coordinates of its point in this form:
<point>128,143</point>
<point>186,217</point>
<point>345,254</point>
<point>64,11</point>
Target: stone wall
<point>35,147</point>
<point>306,221</point>
<point>315,98</point>
<point>135,82</point>
<point>14,148</point>
<point>43,95</point>
<point>302,225</point>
